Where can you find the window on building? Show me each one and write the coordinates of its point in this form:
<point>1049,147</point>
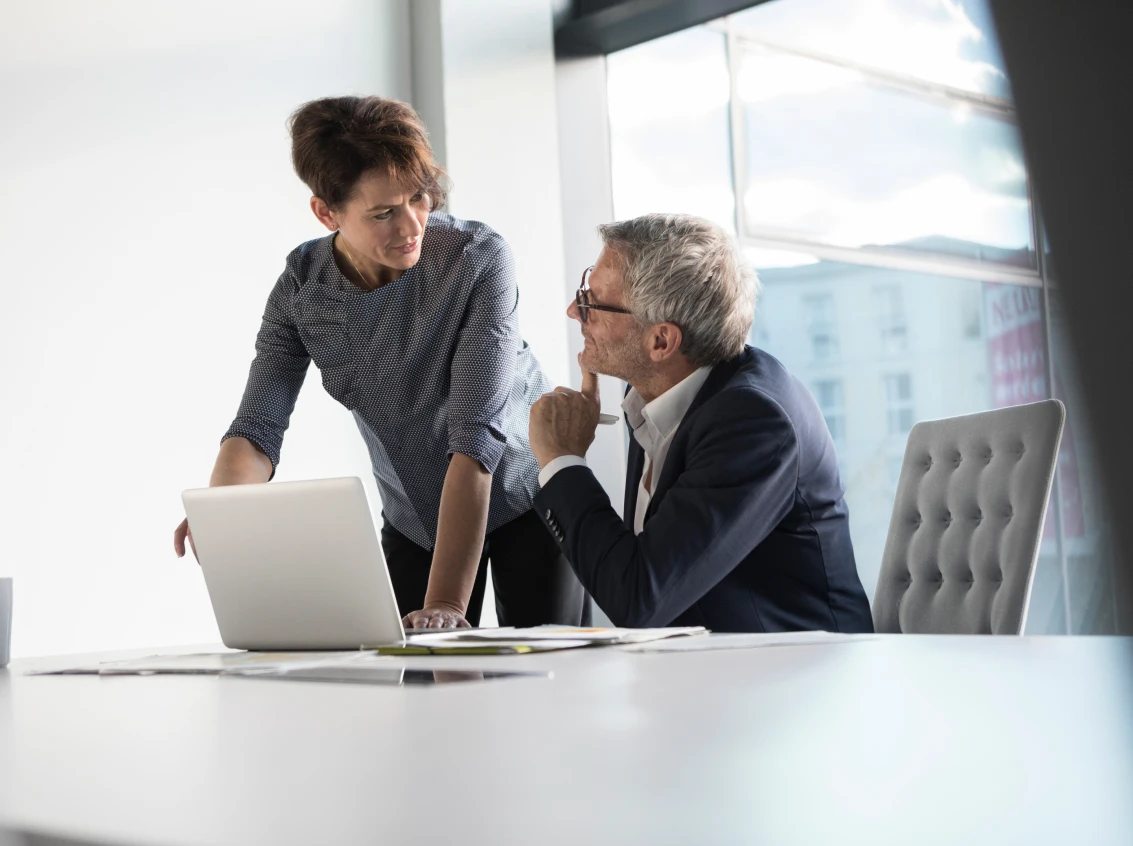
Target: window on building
<point>889,309</point>
<point>828,393</point>
<point>821,325</point>
<point>899,403</point>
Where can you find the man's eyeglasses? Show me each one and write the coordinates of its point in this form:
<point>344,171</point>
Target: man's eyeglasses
<point>582,299</point>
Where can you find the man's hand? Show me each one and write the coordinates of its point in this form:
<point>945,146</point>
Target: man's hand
<point>435,616</point>
<point>563,421</point>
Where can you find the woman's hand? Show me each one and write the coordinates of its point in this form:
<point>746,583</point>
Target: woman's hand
<point>180,535</point>
<point>435,616</point>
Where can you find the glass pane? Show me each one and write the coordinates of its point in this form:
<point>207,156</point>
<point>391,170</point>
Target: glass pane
<point>951,42</point>
<point>969,346</point>
<point>1082,586</point>
<point>835,158</point>
<point>670,143</point>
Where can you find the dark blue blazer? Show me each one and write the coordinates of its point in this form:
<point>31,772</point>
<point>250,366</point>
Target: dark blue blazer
<point>747,529</point>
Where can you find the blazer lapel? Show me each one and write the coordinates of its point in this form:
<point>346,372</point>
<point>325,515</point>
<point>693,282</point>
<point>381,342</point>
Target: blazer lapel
<point>674,461</point>
<point>635,461</point>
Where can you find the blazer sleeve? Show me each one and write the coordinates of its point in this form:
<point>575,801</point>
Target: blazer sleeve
<point>738,483</point>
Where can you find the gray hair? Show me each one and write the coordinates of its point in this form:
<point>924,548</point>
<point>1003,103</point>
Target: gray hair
<point>686,270</point>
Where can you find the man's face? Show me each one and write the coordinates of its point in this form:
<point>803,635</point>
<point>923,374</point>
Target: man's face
<point>614,342</point>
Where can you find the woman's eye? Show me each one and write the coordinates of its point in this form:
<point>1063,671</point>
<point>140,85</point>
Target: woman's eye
<point>418,197</point>
<point>383,216</point>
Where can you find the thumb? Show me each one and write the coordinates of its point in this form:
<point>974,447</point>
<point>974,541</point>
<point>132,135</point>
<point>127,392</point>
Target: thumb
<point>589,385</point>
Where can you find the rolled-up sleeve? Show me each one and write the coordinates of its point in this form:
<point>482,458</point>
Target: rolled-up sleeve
<point>275,377</point>
<point>483,367</point>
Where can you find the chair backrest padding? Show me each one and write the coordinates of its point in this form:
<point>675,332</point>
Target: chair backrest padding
<point>968,521</point>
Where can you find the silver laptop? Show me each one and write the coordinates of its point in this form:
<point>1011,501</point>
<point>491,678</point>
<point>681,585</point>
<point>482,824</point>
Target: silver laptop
<point>294,565</point>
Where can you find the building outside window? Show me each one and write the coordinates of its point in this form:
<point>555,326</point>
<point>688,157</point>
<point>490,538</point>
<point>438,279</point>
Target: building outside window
<point>866,154</point>
<point>822,326</point>
<point>899,403</point>
<point>892,324</point>
<point>828,393</point>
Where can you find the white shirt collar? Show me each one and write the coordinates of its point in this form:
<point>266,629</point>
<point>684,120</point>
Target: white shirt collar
<point>661,416</point>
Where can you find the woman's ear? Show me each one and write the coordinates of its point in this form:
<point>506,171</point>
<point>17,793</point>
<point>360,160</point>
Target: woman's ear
<point>322,211</point>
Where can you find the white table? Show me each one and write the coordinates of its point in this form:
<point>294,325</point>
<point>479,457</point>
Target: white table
<point>910,740</point>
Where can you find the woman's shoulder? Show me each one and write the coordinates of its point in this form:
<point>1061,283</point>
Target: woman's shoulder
<point>453,236</point>
<point>308,258</point>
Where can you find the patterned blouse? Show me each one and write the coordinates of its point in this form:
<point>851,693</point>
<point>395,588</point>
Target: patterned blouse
<point>429,365</point>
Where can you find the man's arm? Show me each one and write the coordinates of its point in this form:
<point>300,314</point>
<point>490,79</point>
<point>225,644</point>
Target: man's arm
<point>738,484</point>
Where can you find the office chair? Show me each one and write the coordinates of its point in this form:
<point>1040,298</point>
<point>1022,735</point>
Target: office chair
<point>967,522</point>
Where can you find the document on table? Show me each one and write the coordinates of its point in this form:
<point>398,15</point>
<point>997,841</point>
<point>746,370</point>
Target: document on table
<point>508,640</point>
<point>210,664</point>
<point>752,640</point>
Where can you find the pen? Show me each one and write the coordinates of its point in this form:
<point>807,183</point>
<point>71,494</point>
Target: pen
<point>607,419</point>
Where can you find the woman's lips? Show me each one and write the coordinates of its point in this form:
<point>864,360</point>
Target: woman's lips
<point>406,249</point>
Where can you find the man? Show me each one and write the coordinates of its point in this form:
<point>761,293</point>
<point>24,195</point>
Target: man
<point>734,513</point>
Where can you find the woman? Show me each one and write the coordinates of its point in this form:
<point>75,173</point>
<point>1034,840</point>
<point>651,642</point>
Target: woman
<point>410,315</point>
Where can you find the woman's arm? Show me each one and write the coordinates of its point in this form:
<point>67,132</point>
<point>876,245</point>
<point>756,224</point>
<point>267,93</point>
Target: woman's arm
<point>250,449</point>
<point>481,379</point>
<point>239,462</point>
<point>460,541</point>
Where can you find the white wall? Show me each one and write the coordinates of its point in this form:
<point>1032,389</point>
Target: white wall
<point>148,206</point>
<point>484,82</point>
<point>588,200</point>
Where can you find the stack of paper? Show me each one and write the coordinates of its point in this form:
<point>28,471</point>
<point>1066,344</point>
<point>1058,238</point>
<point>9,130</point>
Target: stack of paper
<point>210,664</point>
<point>509,640</point>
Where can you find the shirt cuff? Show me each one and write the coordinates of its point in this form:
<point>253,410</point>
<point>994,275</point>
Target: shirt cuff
<point>560,463</point>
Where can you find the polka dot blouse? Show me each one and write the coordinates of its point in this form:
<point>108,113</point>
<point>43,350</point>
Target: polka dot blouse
<point>429,365</point>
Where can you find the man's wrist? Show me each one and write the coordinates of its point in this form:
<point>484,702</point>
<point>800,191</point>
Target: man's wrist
<point>558,463</point>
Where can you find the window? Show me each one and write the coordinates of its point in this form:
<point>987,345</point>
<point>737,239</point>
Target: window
<point>821,326</point>
<point>899,403</point>
<point>828,393</point>
<point>866,154</point>
<point>889,307</point>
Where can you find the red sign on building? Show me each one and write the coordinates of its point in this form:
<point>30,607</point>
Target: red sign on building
<point>1017,363</point>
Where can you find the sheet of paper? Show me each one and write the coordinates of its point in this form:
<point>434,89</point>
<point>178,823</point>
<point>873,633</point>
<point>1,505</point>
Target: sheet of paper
<point>592,636</point>
<point>481,647</point>
<point>217,663</point>
<point>745,641</point>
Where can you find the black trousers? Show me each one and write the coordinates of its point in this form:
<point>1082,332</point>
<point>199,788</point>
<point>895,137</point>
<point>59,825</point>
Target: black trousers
<point>534,582</point>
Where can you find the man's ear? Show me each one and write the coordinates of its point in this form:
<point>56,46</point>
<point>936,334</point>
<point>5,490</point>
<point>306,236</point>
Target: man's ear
<point>324,214</point>
<point>664,341</point>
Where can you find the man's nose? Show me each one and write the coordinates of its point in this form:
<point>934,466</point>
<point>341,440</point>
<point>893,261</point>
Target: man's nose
<point>573,312</point>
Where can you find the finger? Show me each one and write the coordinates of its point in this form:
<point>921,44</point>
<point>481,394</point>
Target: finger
<point>589,384</point>
<point>179,538</point>
<point>461,623</point>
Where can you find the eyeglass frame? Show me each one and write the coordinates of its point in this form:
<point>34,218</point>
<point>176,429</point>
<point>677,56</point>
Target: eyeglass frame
<point>582,300</point>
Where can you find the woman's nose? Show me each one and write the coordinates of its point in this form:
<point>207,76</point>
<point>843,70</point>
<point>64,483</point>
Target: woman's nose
<point>411,226</point>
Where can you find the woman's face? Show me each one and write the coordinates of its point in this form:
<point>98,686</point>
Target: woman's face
<point>383,223</point>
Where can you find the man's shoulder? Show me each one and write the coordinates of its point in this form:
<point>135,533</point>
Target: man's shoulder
<point>753,380</point>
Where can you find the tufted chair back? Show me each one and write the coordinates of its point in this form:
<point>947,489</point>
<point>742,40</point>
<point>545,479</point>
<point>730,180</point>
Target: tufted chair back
<point>967,522</point>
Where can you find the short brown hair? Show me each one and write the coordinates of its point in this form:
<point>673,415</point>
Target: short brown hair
<point>336,140</point>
